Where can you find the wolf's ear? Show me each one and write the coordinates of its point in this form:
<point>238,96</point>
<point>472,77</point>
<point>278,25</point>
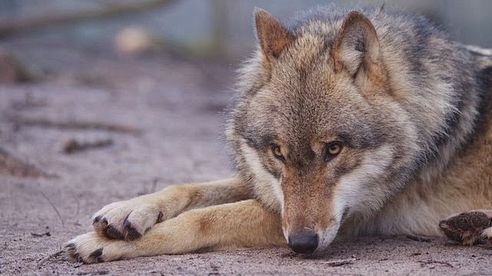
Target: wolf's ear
<point>356,45</point>
<point>272,36</point>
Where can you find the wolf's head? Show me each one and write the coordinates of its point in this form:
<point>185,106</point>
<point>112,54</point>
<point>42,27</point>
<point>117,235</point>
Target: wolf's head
<point>316,127</point>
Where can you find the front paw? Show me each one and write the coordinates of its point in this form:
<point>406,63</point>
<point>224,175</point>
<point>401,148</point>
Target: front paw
<point>126,220</point>
<point>94,248</point>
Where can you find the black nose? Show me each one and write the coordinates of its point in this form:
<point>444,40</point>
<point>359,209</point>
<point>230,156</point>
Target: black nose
<point>304,242</point>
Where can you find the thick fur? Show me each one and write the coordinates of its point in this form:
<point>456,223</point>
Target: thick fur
<point>411,108</point>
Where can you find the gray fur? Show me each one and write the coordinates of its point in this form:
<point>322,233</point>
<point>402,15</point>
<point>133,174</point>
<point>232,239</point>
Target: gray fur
<point>428,115</point>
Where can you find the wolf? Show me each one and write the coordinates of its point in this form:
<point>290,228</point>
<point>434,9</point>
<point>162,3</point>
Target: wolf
<point>346,123</point>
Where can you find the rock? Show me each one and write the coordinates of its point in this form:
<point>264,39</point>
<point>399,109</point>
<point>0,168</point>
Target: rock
<point>135,41</point>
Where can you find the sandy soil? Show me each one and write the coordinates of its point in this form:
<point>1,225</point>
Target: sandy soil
<point>171,111</point>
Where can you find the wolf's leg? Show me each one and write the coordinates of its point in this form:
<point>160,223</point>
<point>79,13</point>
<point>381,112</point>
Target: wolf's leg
<point>241,224</point>
<point>129,219</point>
<point>469,228</point>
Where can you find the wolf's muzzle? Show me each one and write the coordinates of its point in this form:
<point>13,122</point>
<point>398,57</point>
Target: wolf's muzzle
<point>304,242</point>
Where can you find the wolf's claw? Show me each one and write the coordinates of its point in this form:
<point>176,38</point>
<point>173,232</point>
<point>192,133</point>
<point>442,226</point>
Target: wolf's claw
<point>126,220</point>
<point>93,248</point>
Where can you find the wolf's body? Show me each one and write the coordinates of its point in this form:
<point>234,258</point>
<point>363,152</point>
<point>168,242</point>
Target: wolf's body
<point>346,124</point>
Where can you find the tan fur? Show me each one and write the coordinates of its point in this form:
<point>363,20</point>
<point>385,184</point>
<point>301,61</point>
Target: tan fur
<point>465,186</point>
<point>141,213</point>
<point>240,224</point>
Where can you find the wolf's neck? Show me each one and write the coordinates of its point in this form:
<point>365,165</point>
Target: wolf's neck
<point>442,188</point>
<point>464,123</point>
<point>445,106</point>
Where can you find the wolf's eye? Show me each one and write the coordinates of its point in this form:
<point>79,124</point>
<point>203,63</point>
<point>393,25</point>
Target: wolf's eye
<point>277,152</point>
<point>332,150</point>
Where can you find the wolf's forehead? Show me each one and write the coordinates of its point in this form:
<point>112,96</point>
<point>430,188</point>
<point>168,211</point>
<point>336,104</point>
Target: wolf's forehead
<point>314,114</point>
<point>309,82</point>
<point>307,66</point>
<point>317,106</point>
<point>307,50</point>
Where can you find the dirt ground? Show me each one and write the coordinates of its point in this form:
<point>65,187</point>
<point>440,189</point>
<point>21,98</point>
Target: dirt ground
<point>162,123</point>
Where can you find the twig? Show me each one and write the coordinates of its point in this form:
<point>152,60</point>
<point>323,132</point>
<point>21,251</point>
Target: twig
<point>24,25</point>
<point>39,235</point>
<point>74,146</point>
<point>418,238</point>
<point>54,207</point>
<point>341,262</point>
<point>76,125</point>
<point>97,272</point>
<point>436,262</point>
<point>15,167</point>
<point>47,258</point>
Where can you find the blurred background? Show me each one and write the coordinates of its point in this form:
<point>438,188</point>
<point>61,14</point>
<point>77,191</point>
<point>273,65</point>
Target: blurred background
<point>104,100</point>
<point>212,30</point>
<point>219,29</point>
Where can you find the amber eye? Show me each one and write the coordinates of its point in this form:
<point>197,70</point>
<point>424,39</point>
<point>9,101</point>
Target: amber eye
<point>277,152</point>
<point>332,150</point>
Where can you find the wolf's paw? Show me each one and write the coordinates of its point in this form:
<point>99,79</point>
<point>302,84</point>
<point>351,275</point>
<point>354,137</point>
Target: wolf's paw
<point>94,248</point>
<point>126,220</point>
<point>468,228</point>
